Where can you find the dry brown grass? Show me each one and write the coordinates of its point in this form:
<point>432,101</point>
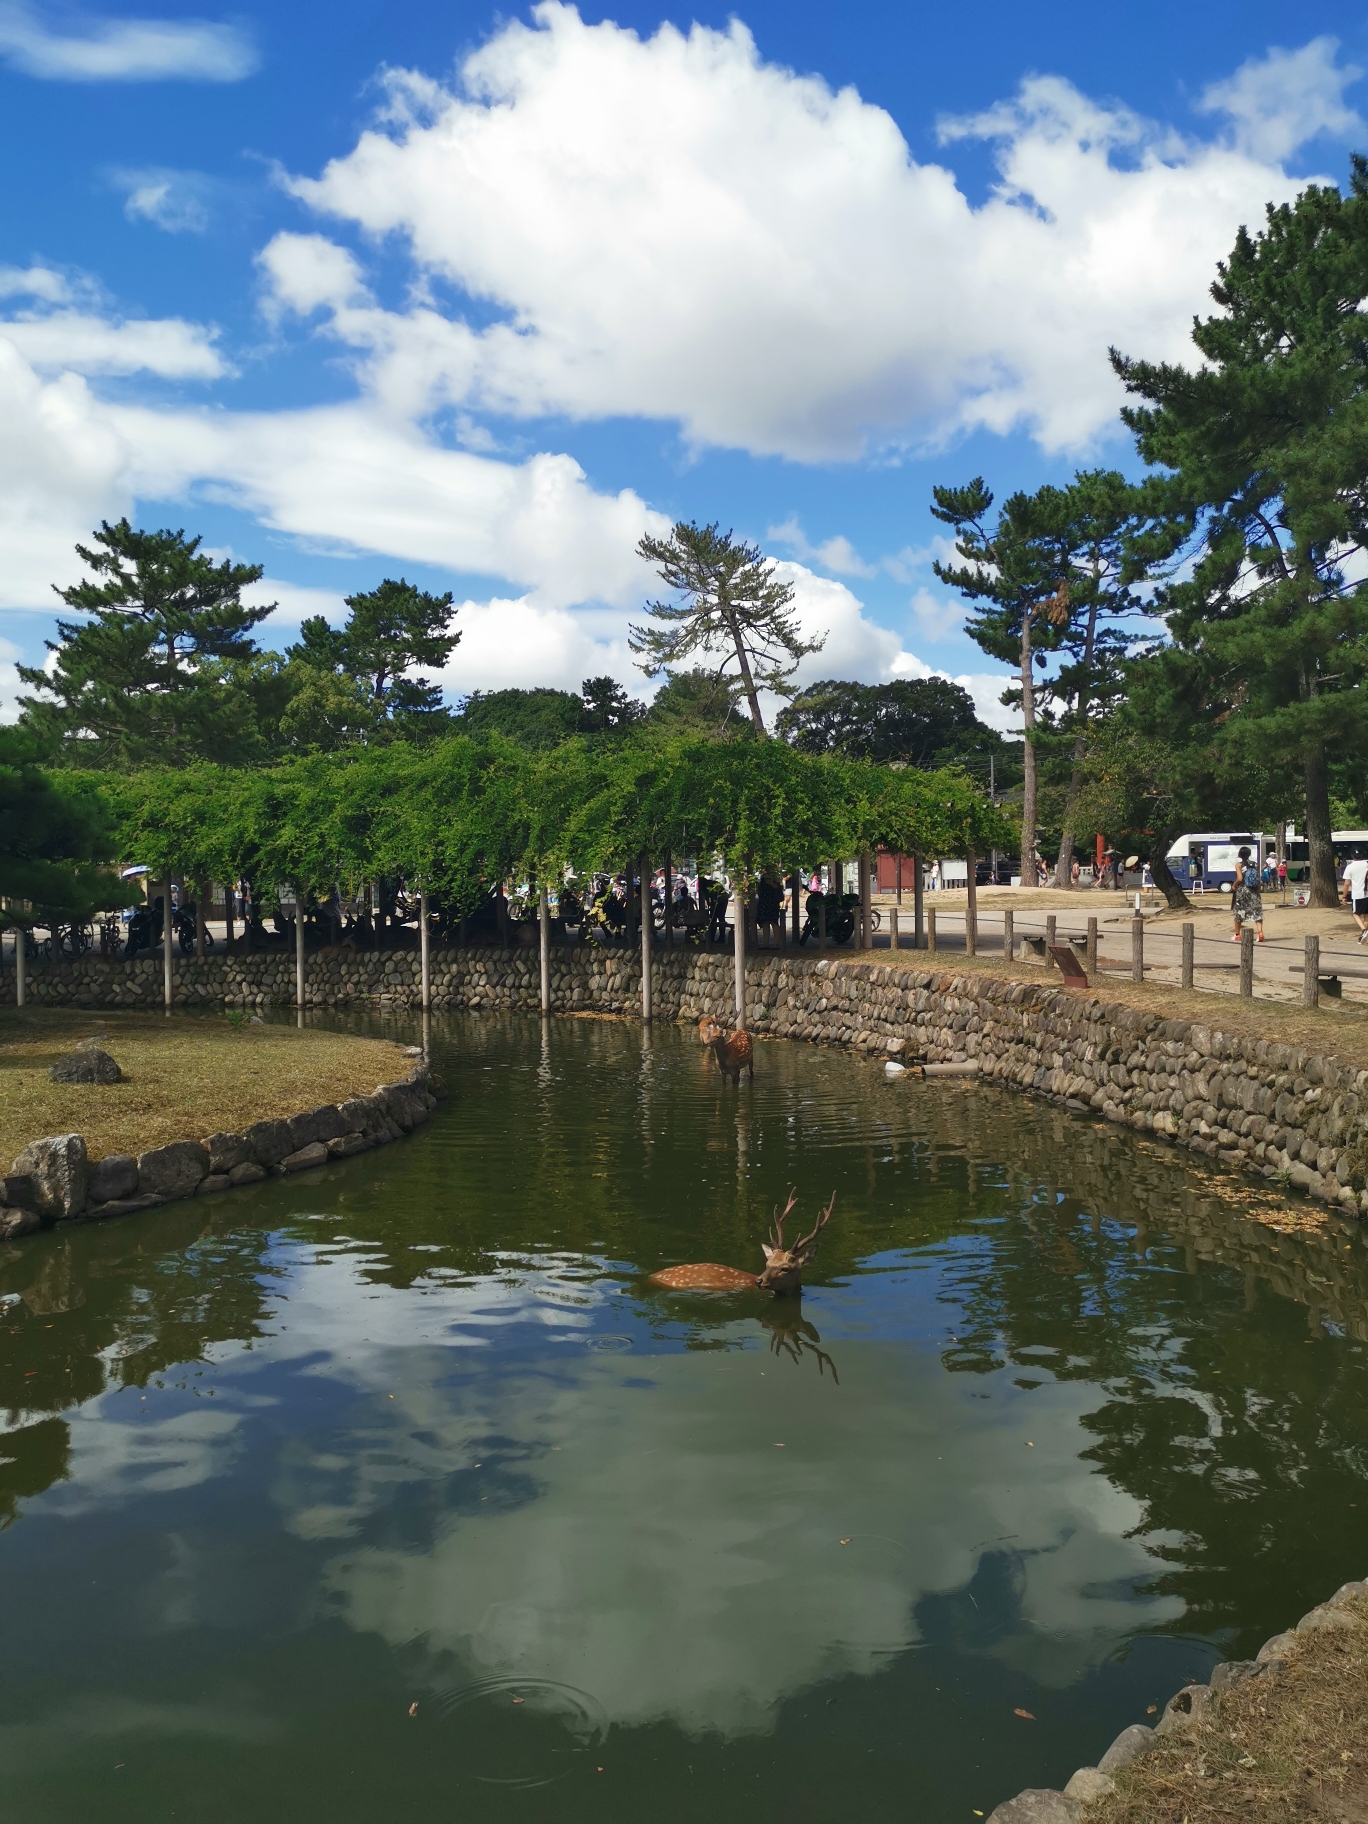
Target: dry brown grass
<point>184,1077</point>
<point>1335,1030</point>
<point>1292,1749</point>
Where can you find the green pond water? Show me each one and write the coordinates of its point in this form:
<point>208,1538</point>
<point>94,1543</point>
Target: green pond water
<point>279,1466</point>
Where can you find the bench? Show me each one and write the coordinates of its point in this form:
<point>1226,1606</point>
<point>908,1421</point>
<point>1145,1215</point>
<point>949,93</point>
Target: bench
<point>1068,965</point>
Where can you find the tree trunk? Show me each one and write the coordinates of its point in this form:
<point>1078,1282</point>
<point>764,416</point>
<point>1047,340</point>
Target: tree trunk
<point>752,695</point>
<point>1029,877</point>
<point>1164,879</point>
<point>1316,776</point>
<point>1064,866</point>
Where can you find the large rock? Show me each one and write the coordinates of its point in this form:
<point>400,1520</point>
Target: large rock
<point>57,1166</point>
<point>1184,1710</point>
<point>268,1142</point>
<point>19,1189</point>
<point>249,1172</point>
<point>1089,1783</point>
<point>315,1153</point>
<point>15,1221</point>
<point>116,1175</point>
<point>225,1151</point>
<point>397,1103</point>
<point>172,1171</point>
<point>87,1064</point>
<point>363,1115</point>
<point>1037,1805</point>
<point>1128,1746</point>
<point>325,1123</point>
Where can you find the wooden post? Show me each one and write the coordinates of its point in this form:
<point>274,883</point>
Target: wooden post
<point>796,911</point>
<point>899,866</point>
<point>1189,937</point>
<point>1311,974</point>
<point>1049,930</point>
<point>971,907</point>
<point>918,903</point>
<point>166,943</point>
<point>20,963</point>
<point>1137,949</point>
<point>740,956</point>
<point>229,895</point>
<point>299,948</point>
<point>1092,948</point>
<point>544,919</point>
<point>1247,961</point>
<point>645,867</point>
<point>893,929</point>
<point>931,929</point>
<point>423,951</point>
<point>1008,936</point>
<point>669,901</point>
<point>201,920</point>
<point>866,904</point>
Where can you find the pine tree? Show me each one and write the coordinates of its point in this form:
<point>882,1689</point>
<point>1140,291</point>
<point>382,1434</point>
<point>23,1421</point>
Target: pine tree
<point>162,670</point>
<point>388,632</point>
<point>1268,440</point>
<point>733,606</point>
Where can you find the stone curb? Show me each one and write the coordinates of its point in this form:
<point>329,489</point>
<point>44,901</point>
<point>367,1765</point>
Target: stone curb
<point>53,1180</point>
<point>1038,1805</point>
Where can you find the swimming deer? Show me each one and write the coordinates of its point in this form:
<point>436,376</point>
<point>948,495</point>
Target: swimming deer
<point>734,1050</point>
<point>783,1273</point>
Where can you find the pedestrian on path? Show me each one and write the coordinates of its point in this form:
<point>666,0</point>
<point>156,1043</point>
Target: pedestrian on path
<point>1356,894</point>
<point>1246,903</point>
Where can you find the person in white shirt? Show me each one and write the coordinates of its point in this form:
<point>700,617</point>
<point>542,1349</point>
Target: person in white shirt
<point>1356,894</point>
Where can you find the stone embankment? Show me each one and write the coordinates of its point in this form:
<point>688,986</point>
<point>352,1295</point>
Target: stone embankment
<point>1183,1713</point>
<point>54,1181</point>
<point>1288,1113</point>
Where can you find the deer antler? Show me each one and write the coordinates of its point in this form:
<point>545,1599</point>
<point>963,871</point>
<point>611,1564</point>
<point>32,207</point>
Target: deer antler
<point>780,1219</point>
<point>809,1241</point>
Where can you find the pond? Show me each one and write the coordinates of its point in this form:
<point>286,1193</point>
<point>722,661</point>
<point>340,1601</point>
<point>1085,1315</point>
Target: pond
<point>1054,1427</point>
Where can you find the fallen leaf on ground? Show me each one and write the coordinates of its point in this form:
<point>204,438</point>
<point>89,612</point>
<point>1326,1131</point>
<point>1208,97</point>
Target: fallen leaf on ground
<point>413,1709</point>
<point>847,1539</point>
<point>518,1700</point>
<point>1025,1713</point>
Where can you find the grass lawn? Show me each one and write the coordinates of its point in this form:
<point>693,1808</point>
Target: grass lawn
<point>185,1077</point>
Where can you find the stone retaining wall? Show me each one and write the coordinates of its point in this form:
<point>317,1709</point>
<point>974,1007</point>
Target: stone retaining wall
<point>1288,1113</point>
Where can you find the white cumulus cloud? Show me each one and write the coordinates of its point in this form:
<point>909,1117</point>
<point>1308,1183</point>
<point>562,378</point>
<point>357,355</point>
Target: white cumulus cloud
<point>673,228</point>
<point>1277,102</point>
<point>123,50</point>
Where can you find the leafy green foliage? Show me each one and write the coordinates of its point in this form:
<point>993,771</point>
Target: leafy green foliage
<point>352,683</point>
<point>161,669</point>
<point>732,606</point>
<point>925,722</point>
<point>1268,444</point>
<point>698,701</point>
<point>533,719</point>
<point>55,833</point>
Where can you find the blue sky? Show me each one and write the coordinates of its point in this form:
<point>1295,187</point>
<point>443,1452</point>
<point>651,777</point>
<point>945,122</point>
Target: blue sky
<point>479,297</point>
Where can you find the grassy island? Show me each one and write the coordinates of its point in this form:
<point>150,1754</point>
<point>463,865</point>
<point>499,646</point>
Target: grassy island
<point>184,1077</point>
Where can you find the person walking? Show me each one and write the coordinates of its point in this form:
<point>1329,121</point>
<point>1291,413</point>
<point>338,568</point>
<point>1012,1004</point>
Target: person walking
<point>1246,903</point>
<point>1356,894</point>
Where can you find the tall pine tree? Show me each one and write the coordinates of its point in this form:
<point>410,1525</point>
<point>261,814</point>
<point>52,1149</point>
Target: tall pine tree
<point>162,668</point>
<point>1268,442</point>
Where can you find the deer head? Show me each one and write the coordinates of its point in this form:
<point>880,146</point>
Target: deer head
<point>783,1272</point>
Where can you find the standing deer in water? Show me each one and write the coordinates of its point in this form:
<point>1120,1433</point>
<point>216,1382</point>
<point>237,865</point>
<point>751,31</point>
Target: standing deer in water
<point>734,1050</point>
<point>783,1274</point>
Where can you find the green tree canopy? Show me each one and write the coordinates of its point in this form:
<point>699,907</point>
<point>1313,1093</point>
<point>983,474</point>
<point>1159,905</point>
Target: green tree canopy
<point>1268,444</point>
<point>925,722</point>
<point>162,668</point>
<point>698,701</point>
<point>532,718</point>
<point>729,604</point>
<point>56,834</point>
<point>354,682</point>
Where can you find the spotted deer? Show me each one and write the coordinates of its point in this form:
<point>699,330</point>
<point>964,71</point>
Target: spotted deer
<point>733,1050</point>
<point>783,1271</point>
